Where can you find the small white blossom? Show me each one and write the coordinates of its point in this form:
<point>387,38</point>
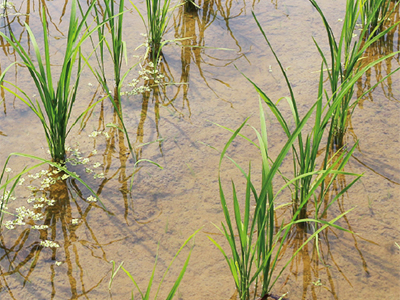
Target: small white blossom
<point>40,227</point>
<point>100,175</point>
<point>9,224</point>
<point>94,134</point>
<point>49,244</point>
<point>91,199</point>
<point>51,202</point>
<point>65,176</point>
<point>107,136</point>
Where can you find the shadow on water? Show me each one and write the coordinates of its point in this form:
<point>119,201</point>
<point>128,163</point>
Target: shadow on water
<point>315,265</point>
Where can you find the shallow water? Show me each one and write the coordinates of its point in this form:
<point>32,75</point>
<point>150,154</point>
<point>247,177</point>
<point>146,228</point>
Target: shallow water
<point>168,205</point>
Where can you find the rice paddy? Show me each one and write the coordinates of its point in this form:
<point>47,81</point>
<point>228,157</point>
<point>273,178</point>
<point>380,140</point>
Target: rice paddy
<point>153,142</point>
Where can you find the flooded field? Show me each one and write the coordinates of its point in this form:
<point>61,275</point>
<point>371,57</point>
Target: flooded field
<point>175,125</point>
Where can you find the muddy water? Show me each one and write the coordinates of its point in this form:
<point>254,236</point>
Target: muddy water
<point>167,205</point>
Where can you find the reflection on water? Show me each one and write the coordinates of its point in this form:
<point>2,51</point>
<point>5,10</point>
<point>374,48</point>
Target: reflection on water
<point>316,259</point>
<point>190,25</point>
<point>187,70</point>
<point>74,242</point>
<point>384,46</point>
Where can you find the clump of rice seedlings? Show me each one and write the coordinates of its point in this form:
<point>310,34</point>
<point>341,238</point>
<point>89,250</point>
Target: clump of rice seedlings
<point>306,151</point>
<point>158,16</point>
<point>374,12</point>
<point>109,18</point>
<point>346,65</point>
<point>255,241</point>
<point>56,100</point>
<point>146,295</point>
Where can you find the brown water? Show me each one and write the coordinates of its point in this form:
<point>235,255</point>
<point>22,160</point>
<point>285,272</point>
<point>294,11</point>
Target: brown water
<point>170,204</point>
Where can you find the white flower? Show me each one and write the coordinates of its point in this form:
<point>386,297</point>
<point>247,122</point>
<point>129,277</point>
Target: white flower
<point>106,135</point>
<point>65,176</point>
<point>74,221</point>
<point>58,263</point>
<point>40,227</point>
<point>9,225</point>
<point>93,134</point>
<point>96,165</point>
<point>50,202</point>
<point>49,244</point>
<point>100,175</point>
<point>7,170</point>
<point>30,200</point>
<point>91,199</point>
<point>94,152</point>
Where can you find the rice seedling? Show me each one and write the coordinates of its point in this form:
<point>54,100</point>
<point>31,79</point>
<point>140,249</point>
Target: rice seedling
<point>306,153</point>
<point>146,295</point>
<point>346,65</point>
<point>157,22</point>
<point>109,19</point>
<point>375,10</point>
<point>256,250</point>
<point>56,100</point>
